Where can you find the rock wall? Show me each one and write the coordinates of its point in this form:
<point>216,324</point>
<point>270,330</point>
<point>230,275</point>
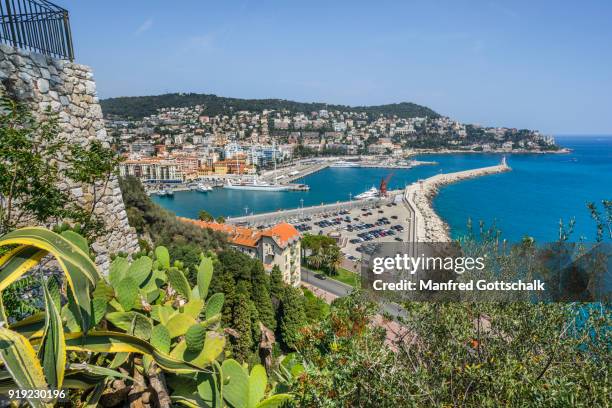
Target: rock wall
<point>69,89</point>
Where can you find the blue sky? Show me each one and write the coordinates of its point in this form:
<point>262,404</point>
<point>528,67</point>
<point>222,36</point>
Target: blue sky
<point>532,64</point>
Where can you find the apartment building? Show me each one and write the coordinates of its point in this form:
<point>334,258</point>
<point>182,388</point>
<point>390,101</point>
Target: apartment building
<point>278,245</point>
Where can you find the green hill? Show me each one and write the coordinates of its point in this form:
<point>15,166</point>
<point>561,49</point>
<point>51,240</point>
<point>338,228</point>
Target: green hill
<point>138,106</point>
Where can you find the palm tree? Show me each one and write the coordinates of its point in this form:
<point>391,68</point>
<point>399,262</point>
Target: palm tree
<point>332,258</point>
<point>316,260</point>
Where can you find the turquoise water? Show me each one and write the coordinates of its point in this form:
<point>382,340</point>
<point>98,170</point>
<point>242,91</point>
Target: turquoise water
<point>531,199</point>
<point>540,190</point>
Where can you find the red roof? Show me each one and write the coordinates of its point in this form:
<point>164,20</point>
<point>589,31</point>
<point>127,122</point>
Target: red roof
<point>283,233</point>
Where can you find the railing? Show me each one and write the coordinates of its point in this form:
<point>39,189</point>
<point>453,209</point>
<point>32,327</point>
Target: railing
<point>36,25</point>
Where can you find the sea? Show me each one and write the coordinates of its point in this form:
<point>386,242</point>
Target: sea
<point>541,191</point>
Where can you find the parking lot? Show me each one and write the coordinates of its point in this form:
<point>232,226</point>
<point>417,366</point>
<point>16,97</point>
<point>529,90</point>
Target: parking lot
<point>352,228</point>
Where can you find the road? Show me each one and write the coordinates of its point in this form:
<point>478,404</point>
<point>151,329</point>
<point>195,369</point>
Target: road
<point>339,289</point>
<point>332,286</point>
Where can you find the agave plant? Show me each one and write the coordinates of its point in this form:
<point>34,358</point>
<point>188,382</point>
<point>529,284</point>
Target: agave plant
<point>145,317</point>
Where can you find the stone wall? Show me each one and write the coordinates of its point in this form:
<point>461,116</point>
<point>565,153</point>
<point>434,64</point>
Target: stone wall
<point>69,89</point>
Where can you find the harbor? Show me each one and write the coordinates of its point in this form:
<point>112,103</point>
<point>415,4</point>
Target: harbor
<point>304,168</point>
<point>330,185</point>
<point>281,178</point>
<point>404,215</point>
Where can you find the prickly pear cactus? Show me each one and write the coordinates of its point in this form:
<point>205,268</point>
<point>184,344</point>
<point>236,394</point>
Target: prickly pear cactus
<point>160,338</point>
<point>194,338</point>
<point>179,282</point>
<point>214,305</point>
<point>127,293</point>
<point>140,270</point>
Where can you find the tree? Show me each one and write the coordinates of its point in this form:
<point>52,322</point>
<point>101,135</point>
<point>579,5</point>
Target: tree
<point>292,316</point>
<point>321,252</point>
<point>185,241</point>
<point>220,219</point>
<point>261,296</point>
<point>204,215</point>
<point>34,159</point>
<point>332,256</point>
<point>276,282</point>
<point>241,322</point>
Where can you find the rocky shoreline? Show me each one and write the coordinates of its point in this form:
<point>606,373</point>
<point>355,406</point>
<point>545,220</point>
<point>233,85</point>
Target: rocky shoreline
<point>429,226</point>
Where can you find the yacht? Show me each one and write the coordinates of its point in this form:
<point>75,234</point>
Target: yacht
<point>370,194</point>
<point>203,188</point>
<point>344,163</point>
<point>165,192</point>
<point>255,185</point>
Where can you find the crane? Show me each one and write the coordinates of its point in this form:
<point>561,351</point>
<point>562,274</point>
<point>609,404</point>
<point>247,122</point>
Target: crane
<point>383,185</point>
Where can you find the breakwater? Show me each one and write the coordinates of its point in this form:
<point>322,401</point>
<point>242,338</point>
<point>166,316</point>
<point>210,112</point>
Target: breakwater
<point>428,226</point>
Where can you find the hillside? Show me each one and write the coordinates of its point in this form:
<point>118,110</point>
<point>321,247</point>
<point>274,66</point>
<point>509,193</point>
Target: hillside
<point>136,107</point>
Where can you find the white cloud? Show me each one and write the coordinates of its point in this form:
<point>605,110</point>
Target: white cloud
<point>145,26</point>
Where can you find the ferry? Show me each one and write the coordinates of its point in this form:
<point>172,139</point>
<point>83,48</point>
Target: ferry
<point>344,163</point>
<point>370,194</point>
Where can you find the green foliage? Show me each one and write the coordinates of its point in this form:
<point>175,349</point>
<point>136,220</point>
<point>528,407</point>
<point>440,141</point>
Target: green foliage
<point>494,354</point>
<point>276,282</point>
<point>132,322</point>
<point>292,316</point>
<point>16,305</point>
<point>261,297</point>
<point>30,172</point>
<point>162,256</point>
<point>121,334</point>
<point>205,273</point>
<point>140,270</point>
<point>321,252</point>
<point>160,338</point>
<point>179,323</point>
<point>183,241</point>
<point>244,390</point>
<point>139,106</point>
<point>178,282</point>
<point>127,293</point>
<point>241,322</point>
<point>194,337</point>
<point>214,305</point>
<point>315,309</point>
<point>204,215</point>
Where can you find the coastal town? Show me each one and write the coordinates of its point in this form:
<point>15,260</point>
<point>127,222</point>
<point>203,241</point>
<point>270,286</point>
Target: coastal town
<point>189,249</point>
<point>183,148</point>
<point>178,144</point>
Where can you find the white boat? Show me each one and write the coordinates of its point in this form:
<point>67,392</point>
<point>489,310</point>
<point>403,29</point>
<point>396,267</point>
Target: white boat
<point>344,163</point>
<point>369,194</point>
<point>165,192</point>
<point>203,188</point>
<point>294,173</point>
<point>255,185</point>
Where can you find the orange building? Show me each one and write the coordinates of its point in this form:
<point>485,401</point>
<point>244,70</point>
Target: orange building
<point>278,245</point>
